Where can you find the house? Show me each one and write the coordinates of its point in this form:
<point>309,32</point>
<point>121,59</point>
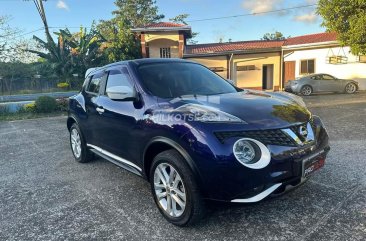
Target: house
<point>321,53</point>
<point>257,64</point>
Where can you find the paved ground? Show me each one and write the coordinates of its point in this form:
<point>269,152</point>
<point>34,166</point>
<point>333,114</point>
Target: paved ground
<point>45,195</point>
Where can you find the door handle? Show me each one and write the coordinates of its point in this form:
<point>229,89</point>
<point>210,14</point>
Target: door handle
<point>100,110</point>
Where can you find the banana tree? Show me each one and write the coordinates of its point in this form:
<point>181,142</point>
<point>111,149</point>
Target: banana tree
<point>74,53</point>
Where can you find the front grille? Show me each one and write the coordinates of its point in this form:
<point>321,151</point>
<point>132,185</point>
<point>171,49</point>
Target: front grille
<point>267,137</point>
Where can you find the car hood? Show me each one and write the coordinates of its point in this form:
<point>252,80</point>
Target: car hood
<point>256,108</point>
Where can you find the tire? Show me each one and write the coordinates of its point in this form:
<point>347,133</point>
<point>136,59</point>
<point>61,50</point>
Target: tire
<point>350,88</point>
<point>81,154</point>
<point>181,181</point>
<point>306,90</point>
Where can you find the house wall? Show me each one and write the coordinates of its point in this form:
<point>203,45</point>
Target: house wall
<point>214,61</point>
<point>155,45</point>
<point>351,70</point>
<point>253,78</point>
<point>172,35</point>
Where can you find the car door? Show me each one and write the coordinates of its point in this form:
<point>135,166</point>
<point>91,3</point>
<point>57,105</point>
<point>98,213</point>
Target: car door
<point>328,83</point>
<point>118,119</point>
<point>91,95</point>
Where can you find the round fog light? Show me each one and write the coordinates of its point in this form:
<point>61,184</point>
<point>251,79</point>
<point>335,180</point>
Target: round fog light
<point>251,153</point>
<point>244,151</point>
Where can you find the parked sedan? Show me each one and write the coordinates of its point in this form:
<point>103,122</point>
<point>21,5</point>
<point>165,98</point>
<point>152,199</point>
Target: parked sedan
<point>321,83</point>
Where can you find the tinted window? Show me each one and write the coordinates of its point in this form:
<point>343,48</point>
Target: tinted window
<point>170,80</point>
<point>118,77</point>
<point>95,82</point>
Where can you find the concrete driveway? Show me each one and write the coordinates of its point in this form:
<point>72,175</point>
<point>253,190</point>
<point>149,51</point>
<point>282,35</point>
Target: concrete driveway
<point>46,195</point>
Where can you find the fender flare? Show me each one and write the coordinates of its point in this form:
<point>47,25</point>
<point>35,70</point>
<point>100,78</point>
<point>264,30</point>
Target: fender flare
<point>192,165</point>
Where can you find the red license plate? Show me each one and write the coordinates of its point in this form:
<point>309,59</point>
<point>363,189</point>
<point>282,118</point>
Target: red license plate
<point>312,165</point>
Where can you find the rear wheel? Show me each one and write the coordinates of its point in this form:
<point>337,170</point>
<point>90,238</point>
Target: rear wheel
<point>350,88</point>
<point>175,190</point>
<point>78,145</point>
<point>306,90</point>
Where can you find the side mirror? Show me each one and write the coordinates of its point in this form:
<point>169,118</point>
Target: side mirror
<point>120,93</point>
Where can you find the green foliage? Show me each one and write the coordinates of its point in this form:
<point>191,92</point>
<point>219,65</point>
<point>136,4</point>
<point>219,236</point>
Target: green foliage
<point>63,85</point>
<point>348,19</point>
<point>63,104</point>
<point>4,110</point>
<point>122,44</point>
<point>181,18</point>
<point>273,36</point>
<point>29,108</point>
<point>74,53</point>
<point>136,13</point>
<point>45,104</point>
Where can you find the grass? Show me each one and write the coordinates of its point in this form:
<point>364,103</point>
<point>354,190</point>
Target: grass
<point>27,115</point>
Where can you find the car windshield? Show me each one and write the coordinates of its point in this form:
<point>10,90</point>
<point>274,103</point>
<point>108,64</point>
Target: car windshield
<point>171,80</point>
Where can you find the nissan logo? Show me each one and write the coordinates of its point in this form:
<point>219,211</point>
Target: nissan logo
<point>303,131</point>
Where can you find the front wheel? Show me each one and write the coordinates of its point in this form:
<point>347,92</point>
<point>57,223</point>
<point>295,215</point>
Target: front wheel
<point>175,190</point>
<point>306,90</point>
<point>350,88</point>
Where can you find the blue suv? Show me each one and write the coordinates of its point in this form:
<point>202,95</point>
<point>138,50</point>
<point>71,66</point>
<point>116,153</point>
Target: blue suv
<point>193,135</point>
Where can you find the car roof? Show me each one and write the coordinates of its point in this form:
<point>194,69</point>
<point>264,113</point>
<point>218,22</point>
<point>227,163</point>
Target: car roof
<point>142,61</point>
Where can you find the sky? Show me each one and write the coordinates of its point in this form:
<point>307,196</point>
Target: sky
<point>74,13</point>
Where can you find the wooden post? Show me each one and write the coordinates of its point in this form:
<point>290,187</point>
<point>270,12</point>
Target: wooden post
<point>181,45</point>
<point>143,45</point>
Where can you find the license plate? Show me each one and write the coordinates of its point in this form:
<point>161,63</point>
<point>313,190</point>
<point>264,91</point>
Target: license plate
<point>313,164</point>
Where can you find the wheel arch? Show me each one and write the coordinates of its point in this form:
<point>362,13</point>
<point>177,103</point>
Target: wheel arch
<point>159,144</point>
<point>70,121</point>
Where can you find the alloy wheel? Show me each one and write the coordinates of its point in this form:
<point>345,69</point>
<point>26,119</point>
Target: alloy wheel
<point>350,88</point>
<point>306,90</point>
<point>75,143</point>
<point>169,190</point>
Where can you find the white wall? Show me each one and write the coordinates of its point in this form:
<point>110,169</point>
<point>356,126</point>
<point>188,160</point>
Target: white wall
<point>351,70</point>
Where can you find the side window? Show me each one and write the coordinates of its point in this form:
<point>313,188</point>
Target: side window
<point>118,77</point>
<point>94,84</point>
<point>328,77</point>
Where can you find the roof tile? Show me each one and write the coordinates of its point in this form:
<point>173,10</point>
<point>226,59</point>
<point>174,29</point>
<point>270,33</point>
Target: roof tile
<point>232,46</point>
<point>311,38</point>
<point>164,25</point>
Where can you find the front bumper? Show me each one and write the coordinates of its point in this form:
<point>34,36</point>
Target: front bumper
<point>223,178</point>
<point>285,186</point>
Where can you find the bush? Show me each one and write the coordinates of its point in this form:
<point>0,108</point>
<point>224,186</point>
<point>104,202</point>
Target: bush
<point>46,104</point>
<point>63,104</point>
<point>4,109</point>
<point>63,85</point>
<point>31,107</point>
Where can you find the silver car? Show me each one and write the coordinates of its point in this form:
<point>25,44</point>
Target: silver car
<point>321,83</point>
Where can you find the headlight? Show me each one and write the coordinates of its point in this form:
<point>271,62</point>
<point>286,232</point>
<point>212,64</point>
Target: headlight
<point>251,153</point>
<point>207,114</point>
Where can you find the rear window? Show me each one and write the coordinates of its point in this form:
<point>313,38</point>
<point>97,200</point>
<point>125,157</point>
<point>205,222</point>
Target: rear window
<point>171,80</point>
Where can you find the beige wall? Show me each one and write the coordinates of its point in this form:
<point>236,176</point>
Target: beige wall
<point>155,45</point>
<point>253,78</point>
<point>215,61</point>
<point>174,36</point>
<point>247,79</point>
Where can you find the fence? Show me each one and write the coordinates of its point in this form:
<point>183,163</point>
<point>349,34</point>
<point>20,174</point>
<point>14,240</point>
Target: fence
<point>34,85</point>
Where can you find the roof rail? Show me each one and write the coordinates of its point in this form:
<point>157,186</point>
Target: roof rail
<point>90,70</point>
